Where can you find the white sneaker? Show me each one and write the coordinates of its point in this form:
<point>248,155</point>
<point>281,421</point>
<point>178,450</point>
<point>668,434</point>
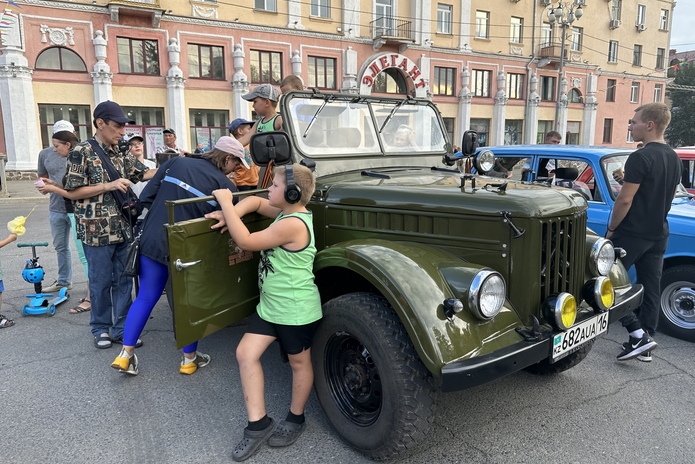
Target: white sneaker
<point>54,287</point>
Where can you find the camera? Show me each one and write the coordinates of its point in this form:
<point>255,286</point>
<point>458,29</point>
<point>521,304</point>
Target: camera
<point>123,147</point>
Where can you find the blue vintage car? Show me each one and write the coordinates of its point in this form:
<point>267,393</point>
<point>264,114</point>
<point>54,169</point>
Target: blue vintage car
<point>588,171</point>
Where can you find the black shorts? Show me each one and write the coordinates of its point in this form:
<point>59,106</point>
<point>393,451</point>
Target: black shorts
<point>292,338</point>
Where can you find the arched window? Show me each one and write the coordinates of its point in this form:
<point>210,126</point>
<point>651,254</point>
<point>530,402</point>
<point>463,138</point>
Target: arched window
<point>390,80</point>
<point>60,59</point>
<point>574,96</point>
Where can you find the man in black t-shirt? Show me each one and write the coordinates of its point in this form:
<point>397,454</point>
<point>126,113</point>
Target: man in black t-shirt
<point>638,223</point>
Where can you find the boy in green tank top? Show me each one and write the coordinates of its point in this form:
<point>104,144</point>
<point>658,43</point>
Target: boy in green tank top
<point>290,306</point>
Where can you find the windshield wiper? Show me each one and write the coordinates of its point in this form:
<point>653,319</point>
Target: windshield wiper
<point>393,111</point>
<point>311,123</point>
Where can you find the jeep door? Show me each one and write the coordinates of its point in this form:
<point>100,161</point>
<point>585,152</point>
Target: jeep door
<point>213,283</point>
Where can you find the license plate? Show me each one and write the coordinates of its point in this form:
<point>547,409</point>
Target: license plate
<point>568,342</point>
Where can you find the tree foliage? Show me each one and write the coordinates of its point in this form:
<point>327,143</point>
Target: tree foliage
<point>681,131</point>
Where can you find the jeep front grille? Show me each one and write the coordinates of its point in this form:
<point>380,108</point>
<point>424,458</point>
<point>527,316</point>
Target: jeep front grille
<point>562,255</point>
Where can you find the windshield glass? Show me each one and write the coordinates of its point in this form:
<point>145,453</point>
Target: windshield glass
<point>326,127</point>
<point>610,164</point>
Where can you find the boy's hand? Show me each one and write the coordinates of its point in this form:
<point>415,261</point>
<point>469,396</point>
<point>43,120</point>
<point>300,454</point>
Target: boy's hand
<point>12,237</point>
<point>219,217</point>
<point>223,195</point>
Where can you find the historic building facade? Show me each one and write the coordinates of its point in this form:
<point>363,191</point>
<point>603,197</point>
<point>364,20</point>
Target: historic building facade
<point>496,66</point>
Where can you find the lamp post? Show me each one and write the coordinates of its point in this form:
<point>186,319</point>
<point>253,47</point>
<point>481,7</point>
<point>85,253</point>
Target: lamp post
<point>565,13</point>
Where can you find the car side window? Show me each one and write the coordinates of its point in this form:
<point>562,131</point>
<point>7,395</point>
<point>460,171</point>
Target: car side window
<point>509,168</point>
<point>576,175</point>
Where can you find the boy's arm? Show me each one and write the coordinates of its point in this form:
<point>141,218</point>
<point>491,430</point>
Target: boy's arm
<point>246,138</point>
<point>10,238</point>
<point>277,125</point>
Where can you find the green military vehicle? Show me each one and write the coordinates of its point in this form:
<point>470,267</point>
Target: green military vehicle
<point>432,280</point>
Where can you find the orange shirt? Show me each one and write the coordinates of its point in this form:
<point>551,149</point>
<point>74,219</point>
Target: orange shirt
<point>243,176</point>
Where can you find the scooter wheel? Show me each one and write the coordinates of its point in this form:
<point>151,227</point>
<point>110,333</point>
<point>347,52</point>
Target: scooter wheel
<point>51,310</point>
<point>25,311</point>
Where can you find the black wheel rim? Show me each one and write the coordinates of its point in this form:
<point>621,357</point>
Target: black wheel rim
<point>353,379</point>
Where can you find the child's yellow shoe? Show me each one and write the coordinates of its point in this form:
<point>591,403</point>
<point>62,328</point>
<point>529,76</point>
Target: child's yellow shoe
<point>201,360</point>
<point>126,364</point>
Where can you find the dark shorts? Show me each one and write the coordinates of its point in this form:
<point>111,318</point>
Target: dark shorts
<point>292,338</point>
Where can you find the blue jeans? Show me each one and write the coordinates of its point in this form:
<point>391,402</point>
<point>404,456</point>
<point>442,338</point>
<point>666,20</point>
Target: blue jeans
<point>60,230</point>
<point>110,290</point>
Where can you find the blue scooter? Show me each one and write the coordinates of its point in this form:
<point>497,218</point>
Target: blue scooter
<point>40,303</point>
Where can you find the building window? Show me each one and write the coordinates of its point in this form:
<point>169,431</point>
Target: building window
<point>205,61</point>
<point>449,125</point>
<point>79,115</point>
<point>482,127</point>
<point>444,82</point>
<point>572,136</point>
<point>574,96</point>
<point>610,91</point>
<point>543,128</point>
<point>515,30</point>
<point>207,126</point>
<point>547,88</point>
<point>149,123</point>
<point>577,33</point>
<point>321,8</point>
<point>515,86</point>
<point>60,59</point>
<point>266,5</point>
<point>616,8</point>
<point>266,67</point>
<point>512,131</point>
<point>480,82</point>
<point>444,15</point>
<point>641,14</point>
<point>137,56</point>
<point>660,58</point>
<point>663,20</point>
<point>634,92</point>
<point>637,55</point>
<point>390,80</point>
<point>607,130</point>
<point>546,34</point>
<point>613,51</point>
<point>658,92</point>
<point>321,72</point>
<point>482,24</point>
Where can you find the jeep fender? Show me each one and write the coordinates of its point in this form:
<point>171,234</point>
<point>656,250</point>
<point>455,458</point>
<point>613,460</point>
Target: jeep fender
<point>416,279</point>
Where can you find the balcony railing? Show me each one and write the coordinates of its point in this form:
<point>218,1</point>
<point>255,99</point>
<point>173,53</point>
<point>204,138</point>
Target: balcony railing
<point>551,50</point>
<point>390,28</point>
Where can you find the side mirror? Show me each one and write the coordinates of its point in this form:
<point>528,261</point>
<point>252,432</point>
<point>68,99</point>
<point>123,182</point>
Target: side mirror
<point>270,146</point>
<point>469,144</point>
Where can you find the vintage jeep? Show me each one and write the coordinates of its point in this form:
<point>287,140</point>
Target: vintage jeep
<point>432,281</point>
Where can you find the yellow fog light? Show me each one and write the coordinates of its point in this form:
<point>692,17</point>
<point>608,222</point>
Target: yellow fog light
<point>599,293</point>
<point>561,309</point>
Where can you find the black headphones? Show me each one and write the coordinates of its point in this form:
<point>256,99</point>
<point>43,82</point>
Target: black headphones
<point>292,192</point>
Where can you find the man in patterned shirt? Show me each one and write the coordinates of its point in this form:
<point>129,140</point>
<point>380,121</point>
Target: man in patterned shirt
<point>100,225</point>
<point>170,143</point>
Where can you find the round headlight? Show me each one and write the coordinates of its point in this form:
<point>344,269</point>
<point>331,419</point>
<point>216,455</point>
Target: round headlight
<point>485,161</point>
<point>486,294</point>
<point>602,257</point>
<point>599,293</point>
<point>561,309</point>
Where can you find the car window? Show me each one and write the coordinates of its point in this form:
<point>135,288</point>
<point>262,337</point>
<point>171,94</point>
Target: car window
<point>510,168</point>
<point>610,164</point>
<point>576,175</point>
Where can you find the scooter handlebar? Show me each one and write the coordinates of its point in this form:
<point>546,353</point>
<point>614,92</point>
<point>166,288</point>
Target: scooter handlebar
<point>22,245</point>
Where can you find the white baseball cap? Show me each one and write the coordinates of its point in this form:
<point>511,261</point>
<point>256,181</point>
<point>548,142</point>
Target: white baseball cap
<point>63,125</point>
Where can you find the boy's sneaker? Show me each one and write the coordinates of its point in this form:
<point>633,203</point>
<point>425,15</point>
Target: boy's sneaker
<point>125,364</point>
<point>55,287</point>
<point>645,357</point>
<point>636,346</point>
<point>201,360</point>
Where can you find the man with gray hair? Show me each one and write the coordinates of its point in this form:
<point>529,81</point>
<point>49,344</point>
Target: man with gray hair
<point>53,166</point>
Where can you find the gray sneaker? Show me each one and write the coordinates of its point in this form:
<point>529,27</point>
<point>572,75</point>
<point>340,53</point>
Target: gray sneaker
<point>55,287</point>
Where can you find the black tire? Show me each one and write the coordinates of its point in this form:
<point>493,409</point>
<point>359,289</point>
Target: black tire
<point>376,393</point>
<point>545,368</point>
<point>677,314</point>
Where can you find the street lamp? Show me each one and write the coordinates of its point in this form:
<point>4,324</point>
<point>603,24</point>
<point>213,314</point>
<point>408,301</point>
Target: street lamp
<point>565,13</point>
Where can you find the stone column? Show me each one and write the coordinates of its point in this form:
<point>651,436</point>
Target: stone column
<point>499,113</point>
<point>294,14</point>
<point>424,65</point>
<point>532,102</point>
<point>350,84</point>
<point>590,106</point>
<point>351,19</point>
<point>240,85</point>
<point>422,12</point>
<point>176,101</point>
<point>464,110</point>
<point>296,61</point>
<point>19,117</point>
<point>102,75</point>
<point>562,110</point>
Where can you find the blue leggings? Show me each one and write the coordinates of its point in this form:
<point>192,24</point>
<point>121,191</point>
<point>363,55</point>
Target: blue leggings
<point>153,278</point>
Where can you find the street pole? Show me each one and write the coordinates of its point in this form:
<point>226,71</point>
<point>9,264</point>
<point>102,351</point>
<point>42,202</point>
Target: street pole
<point>563,28</point>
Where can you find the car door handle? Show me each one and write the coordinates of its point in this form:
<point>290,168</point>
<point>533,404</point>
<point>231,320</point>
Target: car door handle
<point>181,266</point>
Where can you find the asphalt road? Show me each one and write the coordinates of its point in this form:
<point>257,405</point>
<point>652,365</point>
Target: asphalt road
<point>60,402</point>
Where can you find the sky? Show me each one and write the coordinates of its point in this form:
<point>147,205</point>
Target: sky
<point>682,37</point>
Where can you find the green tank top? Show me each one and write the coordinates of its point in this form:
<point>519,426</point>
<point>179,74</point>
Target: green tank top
<point>289,295</point>
<point>267,126</point>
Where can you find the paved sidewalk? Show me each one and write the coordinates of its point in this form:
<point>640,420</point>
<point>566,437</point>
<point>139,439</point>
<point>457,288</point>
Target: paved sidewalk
<point>22,191</point>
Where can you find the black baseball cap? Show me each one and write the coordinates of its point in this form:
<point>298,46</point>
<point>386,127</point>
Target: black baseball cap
<point>169,131</point>
<point>112,111</point>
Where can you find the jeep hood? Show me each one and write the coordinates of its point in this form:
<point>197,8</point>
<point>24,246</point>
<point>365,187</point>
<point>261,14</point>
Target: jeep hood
<point>426,189</point>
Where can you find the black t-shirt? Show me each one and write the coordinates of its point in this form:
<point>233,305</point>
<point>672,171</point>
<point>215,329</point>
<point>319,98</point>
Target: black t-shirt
<point>657,170</point>
<point>196,172</point>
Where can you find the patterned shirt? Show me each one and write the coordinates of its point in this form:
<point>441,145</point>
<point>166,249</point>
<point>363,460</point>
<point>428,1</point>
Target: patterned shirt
<point>98,219</point>
<point>164,148</point>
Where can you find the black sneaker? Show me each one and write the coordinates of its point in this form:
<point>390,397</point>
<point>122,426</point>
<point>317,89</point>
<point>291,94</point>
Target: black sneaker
<point>636,346</point>
<point>645,357</point>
